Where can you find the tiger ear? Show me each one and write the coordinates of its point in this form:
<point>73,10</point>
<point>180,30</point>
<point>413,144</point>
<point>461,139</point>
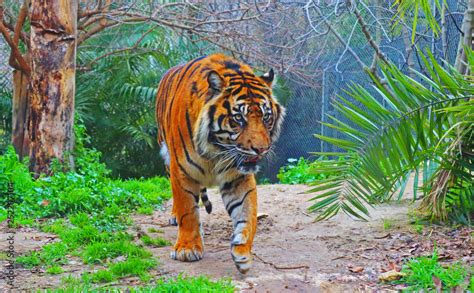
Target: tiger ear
<point>215,81</point>
<point>268,77</point>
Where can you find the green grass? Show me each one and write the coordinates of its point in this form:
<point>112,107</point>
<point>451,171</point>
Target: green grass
<point>155,242</point>
<point>52,254</point>
<point>145,210</point>
<point>181,284</point>
<point>102,276</point>
<point>54,270</point>
<point>133,267</point>
<point>30,260</point>
<point>420,272</point>
<point>154,230</point>
<point>99,252</point>
<point>173,285</point>
<point>387,224</point>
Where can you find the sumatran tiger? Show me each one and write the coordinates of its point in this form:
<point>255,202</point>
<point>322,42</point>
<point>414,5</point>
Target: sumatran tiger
<point>216,121</point>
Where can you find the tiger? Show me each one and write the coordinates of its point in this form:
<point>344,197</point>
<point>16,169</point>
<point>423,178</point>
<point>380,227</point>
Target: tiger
<point>216,121</point>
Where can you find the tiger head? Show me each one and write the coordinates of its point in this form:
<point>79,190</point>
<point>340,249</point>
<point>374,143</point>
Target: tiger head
<point>241,120</point>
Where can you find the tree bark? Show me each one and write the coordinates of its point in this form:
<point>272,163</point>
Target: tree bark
<point>20,113</point>
<point>467,39</point>
<point>52,82</point>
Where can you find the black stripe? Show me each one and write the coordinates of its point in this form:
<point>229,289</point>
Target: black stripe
<point>190,64</point>
<point>204,197</point>
<point>228,185</point>
<point>203,189</point>
<point>188,157</point>
<point>190,130</point>
<point>226,105</point>
<point>237,90</point>
<point>259,96</point>
<point>182,168</point>
<point>195,68</point>
<point>222,131</point>
<point>240,222</point>
<point>232,207</point>
<point>261,89</point>
<point>220,119</point>
<point>168,81</point>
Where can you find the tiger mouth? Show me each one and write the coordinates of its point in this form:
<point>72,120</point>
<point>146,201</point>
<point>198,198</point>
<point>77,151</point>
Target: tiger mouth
<point>251,160</point>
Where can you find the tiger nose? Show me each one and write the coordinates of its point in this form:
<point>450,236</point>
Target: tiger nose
<point>261,150</point>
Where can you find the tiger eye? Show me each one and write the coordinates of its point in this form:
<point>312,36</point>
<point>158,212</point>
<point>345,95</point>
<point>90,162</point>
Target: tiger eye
<point>238,117</point>
<point>267,117</point>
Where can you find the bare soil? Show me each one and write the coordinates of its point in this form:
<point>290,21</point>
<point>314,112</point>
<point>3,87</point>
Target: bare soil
<point>292,253</point>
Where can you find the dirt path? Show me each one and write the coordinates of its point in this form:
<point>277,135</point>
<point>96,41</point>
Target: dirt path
<point>292,253</point>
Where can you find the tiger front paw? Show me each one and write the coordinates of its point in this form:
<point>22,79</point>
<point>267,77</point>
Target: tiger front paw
<point>242,256</point>
<point>188,251</point>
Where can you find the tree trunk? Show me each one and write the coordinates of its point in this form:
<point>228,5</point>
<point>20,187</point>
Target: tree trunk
<point>467,39</point>
<point>52,82</point>
<point>20,113</point>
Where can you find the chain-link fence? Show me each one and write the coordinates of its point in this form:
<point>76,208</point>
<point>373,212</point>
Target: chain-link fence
<point>340,67</point>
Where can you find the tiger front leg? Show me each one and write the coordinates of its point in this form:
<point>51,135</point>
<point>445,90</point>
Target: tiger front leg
<point>240,200</point>
<point>189,245</point>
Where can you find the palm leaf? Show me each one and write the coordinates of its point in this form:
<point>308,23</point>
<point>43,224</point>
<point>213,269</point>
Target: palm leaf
<point>425,126</point>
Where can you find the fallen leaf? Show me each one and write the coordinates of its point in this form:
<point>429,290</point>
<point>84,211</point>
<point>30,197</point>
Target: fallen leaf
<point>391,276</point>
<point>356,269</point>
<point>438,283</point>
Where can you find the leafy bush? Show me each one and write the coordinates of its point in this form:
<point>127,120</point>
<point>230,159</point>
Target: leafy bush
<point>304,171</point>
<point>87,191</point>
<point>297,172</point>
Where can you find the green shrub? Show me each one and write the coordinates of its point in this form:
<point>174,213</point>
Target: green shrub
<point>302,171</point>
<point>87,193</point>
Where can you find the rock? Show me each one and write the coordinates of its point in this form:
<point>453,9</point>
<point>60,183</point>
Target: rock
<point>119,259</point>
<point>391,276</point>
<point>406,239</point>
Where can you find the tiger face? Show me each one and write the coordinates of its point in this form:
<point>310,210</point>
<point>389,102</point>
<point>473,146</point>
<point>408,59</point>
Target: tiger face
<point>241,121</point>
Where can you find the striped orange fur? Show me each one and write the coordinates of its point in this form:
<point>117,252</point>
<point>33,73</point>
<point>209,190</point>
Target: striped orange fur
<point>216,121</point>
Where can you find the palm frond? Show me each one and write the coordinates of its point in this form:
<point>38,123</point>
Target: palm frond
<point>424,126</point>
